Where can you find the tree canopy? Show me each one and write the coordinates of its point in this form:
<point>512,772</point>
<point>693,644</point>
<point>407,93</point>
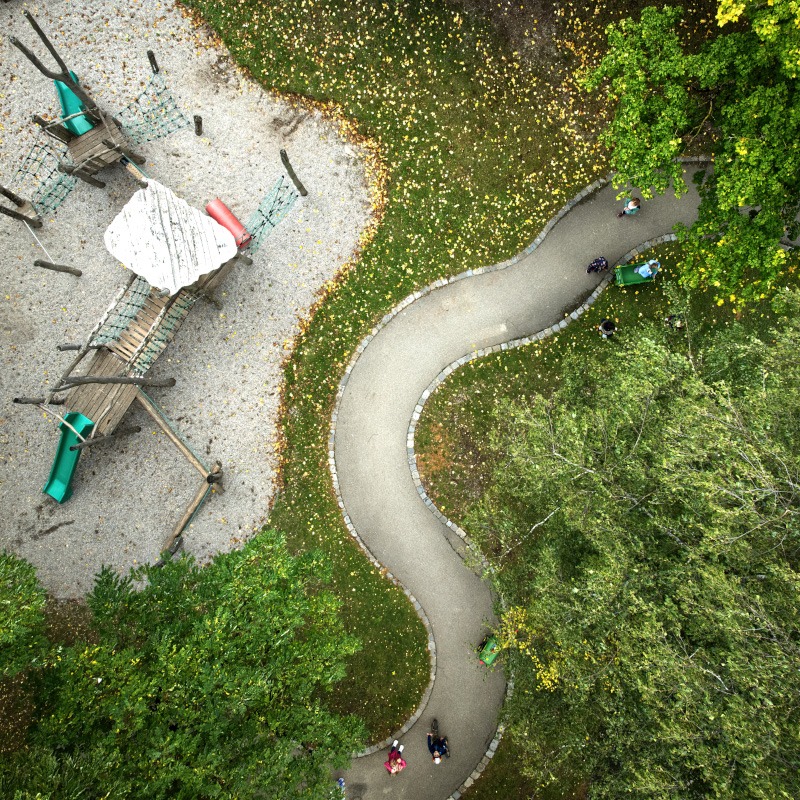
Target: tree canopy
<point>22,601</point>
<point>205,682</point>
<point>740,92</point>
<point>645,534</point>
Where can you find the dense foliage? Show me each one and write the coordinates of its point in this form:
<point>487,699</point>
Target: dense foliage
<point>740,93</point>
<point>22,601</point>
<point>645,531</point>
<point>207,682</point>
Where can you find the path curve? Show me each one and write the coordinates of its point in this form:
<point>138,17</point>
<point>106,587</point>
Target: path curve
<point>413,348</point>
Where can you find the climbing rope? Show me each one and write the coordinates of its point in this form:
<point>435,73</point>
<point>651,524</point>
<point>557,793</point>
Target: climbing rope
<point>153,114</point>
<point>272,209</point>
<point>126,308</point>
<point>39,171</point>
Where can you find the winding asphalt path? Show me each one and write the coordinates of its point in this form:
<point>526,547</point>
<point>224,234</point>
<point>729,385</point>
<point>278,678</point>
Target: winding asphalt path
<point>533,292</point>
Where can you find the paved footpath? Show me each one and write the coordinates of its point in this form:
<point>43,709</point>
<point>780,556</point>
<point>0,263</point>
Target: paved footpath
<point>379,494</point>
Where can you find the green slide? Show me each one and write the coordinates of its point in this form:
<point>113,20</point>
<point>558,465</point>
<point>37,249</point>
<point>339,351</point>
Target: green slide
<point>71,104</point>
<point>58,484</point>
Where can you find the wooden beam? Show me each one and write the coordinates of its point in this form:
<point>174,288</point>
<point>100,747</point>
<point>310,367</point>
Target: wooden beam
<point>37,401</point>
<point>73,381</point>
<point>68,169</point>
<point>101,439</point>
<point>57,267</point>
<point>14,198</point>
<point>55,129</point>
<point>34,222</point>
<point>24,212</point>
<point>90,106</point>
<point>162,423</point>
<point>193,506</point>
<point>129,154</point>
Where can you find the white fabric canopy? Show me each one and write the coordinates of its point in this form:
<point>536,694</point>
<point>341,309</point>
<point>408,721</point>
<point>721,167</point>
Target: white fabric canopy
<point>166,241</point>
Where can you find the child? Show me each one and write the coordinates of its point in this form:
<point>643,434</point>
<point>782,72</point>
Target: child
<point>649,269</point>
<point>438,747</point>
<point>395,763</point>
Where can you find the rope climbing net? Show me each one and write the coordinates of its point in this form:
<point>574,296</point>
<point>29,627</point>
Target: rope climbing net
<point>272,209</point>
<point>39,177</point>
<point>162,335</point>
<point>125,310</point>
<point>153,114</point>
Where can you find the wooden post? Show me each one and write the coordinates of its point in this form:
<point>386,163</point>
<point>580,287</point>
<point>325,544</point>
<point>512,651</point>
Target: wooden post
<point>36,401</point>
<point>101,439</point>
<point>79,173</point>
<point>14,198</point>
<point>25,211</point>
<point>9,212</point>
<point>63,348</point>
<point>215,476</point>
<point>291,173</point>
<point>58,268</point>
<point>90,106</point>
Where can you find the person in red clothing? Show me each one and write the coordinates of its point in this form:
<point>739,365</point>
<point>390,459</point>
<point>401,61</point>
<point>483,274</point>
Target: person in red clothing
<point>396,763</point>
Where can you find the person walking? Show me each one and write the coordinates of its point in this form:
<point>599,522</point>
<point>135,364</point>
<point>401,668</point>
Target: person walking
<point>395,763</point>
<point>631,207</point>
<point>437,745</point>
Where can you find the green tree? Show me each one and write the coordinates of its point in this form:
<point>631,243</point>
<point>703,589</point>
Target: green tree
<point>22,601</point>
<point>205,682</point>
<point>741,90</point>
<point>645,534</point>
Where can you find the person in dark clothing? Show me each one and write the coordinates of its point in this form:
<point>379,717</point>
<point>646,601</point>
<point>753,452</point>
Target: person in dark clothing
<point>598,265</point>
<point>438,748</point>
<point>607,328</point>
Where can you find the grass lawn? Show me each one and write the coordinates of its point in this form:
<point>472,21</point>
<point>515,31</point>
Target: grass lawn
<point>477,145</point>
<point>501,781</point>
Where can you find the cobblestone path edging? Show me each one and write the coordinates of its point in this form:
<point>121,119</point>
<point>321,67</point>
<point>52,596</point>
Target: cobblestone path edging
<point>412,460</point>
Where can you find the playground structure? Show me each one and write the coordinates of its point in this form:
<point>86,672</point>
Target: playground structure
<point>84,139</point>
<point>109,371</point>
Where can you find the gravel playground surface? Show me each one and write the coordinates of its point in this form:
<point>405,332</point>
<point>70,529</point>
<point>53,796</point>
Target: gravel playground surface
<point>128,496</point>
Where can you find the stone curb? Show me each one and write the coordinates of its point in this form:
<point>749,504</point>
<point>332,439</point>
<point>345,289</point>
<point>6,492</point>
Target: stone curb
<point>438,284</point>
<point>598,184</point>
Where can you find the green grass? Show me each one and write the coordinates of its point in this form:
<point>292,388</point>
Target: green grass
<point>478,149</point>
<point>501,780</point>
